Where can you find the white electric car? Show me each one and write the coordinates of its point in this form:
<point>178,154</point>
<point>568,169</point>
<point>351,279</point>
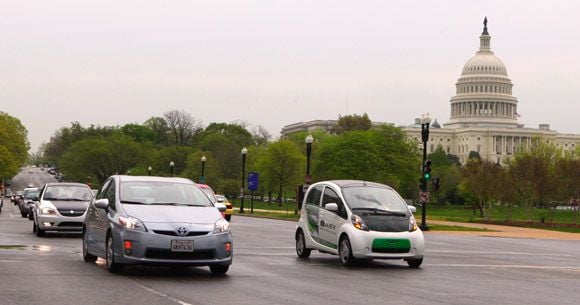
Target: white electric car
<point>358,220</point>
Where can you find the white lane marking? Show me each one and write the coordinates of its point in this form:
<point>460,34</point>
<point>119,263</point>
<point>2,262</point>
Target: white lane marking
<point>509,266</point>
<point>161,294</point>
<point>499,252</point>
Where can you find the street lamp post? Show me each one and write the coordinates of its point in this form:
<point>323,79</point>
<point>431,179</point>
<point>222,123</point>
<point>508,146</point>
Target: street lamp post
<point>244,153</point>
<point>171,165</point>
<point>309,139</point>
<point>149,170</point>
<point>202,177</point>
<point>425,121</point>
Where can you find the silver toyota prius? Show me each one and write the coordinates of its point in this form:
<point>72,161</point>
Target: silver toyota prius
<point>158,221</point>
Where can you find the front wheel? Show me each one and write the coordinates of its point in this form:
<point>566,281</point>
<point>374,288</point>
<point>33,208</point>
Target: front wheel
<point>345,252</point>
<point>87,257</point>
<point>219,269</point>
<point>301,249</point>
<point>112,266</point>
<point>414,263</point>
<point>37,230</point>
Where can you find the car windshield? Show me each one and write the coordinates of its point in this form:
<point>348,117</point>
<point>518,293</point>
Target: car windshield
<point>374,199</point>
<point>162,193</point>
<point>30,194</point>
<point>68,193</point>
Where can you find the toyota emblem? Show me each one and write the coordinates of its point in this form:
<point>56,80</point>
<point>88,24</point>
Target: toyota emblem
<point>182,231</point>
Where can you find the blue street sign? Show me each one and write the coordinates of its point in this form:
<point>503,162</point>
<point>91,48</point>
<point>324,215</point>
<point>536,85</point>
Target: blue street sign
<point>253,181</point>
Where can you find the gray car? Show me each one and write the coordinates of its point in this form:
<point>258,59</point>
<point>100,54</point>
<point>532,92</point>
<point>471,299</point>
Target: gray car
<point>156,221</point>
<point>61,207</point>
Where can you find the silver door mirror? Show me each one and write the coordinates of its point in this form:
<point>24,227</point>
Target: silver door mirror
<point>102,203</point>
<point>220,206</point>
<point>413,209</point>
<point>332,207</point>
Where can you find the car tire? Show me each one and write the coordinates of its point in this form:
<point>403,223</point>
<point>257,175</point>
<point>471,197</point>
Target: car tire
<point>414,263</point>
<point>30,216</point>
<point>37,230</point>
<point>345,252</point>
<point>24,215</point>
<point>228,217</point>
<point>112,266</point>
<point>301,249</point>
<point>219,269</point>
<point>87,257</point>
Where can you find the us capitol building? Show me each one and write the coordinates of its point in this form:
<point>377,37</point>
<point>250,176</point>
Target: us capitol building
<point>484,115</point>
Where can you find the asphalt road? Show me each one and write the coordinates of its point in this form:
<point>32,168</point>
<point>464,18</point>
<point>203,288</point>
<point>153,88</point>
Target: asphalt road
<point>37,177</point>
<point>457,270</point>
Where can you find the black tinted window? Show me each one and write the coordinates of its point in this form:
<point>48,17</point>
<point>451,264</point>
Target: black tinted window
<point>314,196</point>
<point>330,196</point>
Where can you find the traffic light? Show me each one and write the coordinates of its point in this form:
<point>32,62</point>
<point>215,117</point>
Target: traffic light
<point>435,184</point>
<point>427,170</point>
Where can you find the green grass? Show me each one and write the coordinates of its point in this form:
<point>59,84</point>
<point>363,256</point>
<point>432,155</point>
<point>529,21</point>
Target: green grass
<point>275,215</point>
<point>290,206</point>
<point>434,227</point>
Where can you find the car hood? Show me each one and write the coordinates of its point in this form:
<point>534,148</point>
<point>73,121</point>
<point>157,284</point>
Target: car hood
<point>173,214</point>
<point>69,205</point>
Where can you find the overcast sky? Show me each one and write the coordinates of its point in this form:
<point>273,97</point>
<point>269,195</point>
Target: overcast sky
<point>274,63</point>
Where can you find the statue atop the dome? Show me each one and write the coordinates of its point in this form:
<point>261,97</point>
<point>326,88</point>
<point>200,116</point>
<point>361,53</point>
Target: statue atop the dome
<point>485,26</point>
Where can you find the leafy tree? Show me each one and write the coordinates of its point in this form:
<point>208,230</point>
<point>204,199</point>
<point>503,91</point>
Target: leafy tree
<point>482,179</point>
<point>448,174</point>
<point>353,122</point>
<point>160,128</point>
<point>280,166</point>
<point>533,174</point>
<point>382,155</point>
<point>13,145</point>
<point>139,133</point>
<point>101,157</point>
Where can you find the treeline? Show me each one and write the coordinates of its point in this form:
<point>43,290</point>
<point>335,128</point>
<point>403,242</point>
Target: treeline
<point>542,177</point>
<point>382,154</point>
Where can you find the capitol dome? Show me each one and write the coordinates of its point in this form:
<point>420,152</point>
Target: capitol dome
<point>484,91</point>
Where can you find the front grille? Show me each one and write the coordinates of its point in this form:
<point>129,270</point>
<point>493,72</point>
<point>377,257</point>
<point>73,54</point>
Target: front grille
<point>173,233</point>
<point>391,245</point>
<point>167,254</point>
<point>71,224</point>
<point>71,213</point>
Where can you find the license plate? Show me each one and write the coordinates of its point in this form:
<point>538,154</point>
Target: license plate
<point>181,245</point>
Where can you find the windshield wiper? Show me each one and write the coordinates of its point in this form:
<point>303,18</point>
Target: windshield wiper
<point>131,202</point>
<point>382,212</point>
<point>178,204</point>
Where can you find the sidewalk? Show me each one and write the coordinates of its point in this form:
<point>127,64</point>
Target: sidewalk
<point>503,231</point>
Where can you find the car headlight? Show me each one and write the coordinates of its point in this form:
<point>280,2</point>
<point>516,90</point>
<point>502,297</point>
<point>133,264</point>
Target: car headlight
<point>47,211</point>
<point>359,223</point>
<point>132,223</point>
<point>412,224</point>
<point>221,226</point>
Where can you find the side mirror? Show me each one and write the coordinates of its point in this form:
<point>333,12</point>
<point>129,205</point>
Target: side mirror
<point>220,199</point>
<point>102,203</point>
<point>220,206</point>
<point>412,208</point>
<point>332,207</point>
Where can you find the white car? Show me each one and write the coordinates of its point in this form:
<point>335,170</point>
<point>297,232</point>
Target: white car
<point>358,220</point>
<point>61,207</point>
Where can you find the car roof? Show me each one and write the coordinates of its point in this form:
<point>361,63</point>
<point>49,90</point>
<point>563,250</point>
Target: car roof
<point>66,184</point>
<point>125,178</point>
<point>354,183</point>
